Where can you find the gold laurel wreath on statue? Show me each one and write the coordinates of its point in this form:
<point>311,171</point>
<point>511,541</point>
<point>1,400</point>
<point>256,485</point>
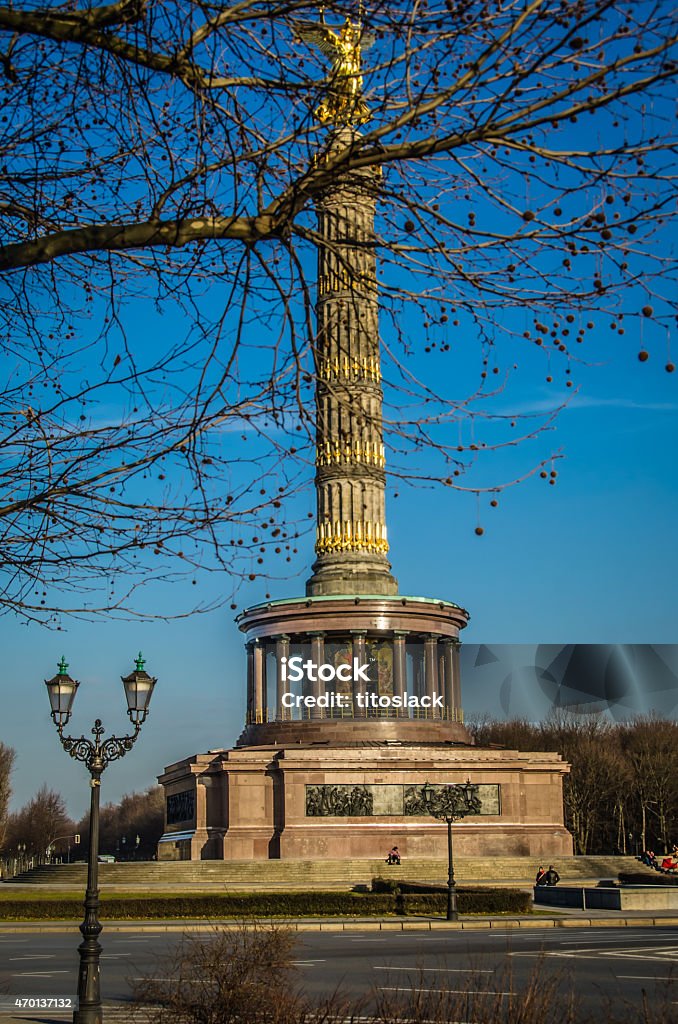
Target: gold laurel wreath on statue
<point>343,104</point>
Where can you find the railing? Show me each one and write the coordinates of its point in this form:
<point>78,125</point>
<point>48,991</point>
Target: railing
<point>268,715</point>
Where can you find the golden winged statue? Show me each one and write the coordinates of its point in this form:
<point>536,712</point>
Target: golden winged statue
<point>344,103</point>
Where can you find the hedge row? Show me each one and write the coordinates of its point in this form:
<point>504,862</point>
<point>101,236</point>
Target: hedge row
<point>640,878</point>
<point>271,905</point>
<point>218,905</point>
<point>275,904</point>
<point>425,898</point>
<point>469,901</point>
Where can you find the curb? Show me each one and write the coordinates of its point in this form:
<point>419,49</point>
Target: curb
<point>355,925</point>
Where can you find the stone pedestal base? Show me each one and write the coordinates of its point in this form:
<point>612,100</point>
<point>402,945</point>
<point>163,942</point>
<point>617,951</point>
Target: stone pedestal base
<point>259,803</point>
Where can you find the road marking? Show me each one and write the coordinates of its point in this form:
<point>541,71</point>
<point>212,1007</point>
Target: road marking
<point>37,956</point>
<point>145,977</point>
<point>303,963</point>
<point>445,991</point>
<point>39,974</point>
<point>660,953</point>
<point>576,943</point>
<point>437,970</point>
<point>649,977</point>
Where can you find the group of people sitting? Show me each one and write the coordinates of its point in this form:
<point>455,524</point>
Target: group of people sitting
<point>550,877</point>
<point>667,866</point>
<point>393,856</point>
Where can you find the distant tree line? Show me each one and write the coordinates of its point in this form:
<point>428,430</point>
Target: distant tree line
<point>621,795</point>
<point>130,829</point>
<point>40,826</point>
<point>43,831</point>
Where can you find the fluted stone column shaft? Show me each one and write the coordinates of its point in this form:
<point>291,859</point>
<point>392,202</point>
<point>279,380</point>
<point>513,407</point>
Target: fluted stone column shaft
<point>449,676</point>
<point>442,681</point>
<point>456,675</point>
<point>318,659</point>
<point>359,652</point>
<point>259,682</point>
<point>400,669</point>
<point>250,683</point>
<point>282,650</point>
<point>418,686</point>
<point>431,669</point>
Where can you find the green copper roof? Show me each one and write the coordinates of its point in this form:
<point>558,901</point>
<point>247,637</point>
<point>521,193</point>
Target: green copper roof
<point>395,598</point>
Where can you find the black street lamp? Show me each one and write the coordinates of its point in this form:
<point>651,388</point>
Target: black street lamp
<point>96,756</point>
<point>449,804</point>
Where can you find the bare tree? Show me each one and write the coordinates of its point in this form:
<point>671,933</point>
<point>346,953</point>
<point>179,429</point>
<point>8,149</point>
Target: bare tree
<point>130,829</point>
<point>589,791</point>
<point>163,157</point>
<point>651,749</point>
<point>622,778</point>
<point>42,820</point>
<point>7,757</point>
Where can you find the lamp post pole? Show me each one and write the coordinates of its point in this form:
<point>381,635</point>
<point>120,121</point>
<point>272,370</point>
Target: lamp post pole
<point>89,989</point>
<point>449,803</point>
<point>96,755</point>
<point>452,914</point>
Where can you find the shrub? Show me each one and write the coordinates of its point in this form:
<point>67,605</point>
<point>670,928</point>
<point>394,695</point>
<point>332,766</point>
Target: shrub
<point>469,901</point>
<point>380,884</point>
<point>227,977</point>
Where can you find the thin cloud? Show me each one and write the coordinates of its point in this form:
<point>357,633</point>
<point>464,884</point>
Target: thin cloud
<point>543,406</point>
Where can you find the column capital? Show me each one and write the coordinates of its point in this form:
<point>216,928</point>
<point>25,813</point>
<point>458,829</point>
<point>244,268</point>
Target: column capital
<point>280,636</point>
<point>358,632</point>
<point>401,634</point>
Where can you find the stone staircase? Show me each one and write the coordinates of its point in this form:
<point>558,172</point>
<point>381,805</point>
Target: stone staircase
<point>318,874</point>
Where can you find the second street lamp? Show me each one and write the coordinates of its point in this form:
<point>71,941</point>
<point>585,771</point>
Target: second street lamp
<point>96,755</point>
<point>449,804</point>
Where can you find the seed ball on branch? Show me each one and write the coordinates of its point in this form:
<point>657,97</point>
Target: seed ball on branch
<point>479,531</point>
<point>643,356</point>
<point>670,367</point>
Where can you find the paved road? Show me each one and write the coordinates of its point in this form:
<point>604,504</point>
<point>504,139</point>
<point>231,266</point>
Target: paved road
<point>609,968</point>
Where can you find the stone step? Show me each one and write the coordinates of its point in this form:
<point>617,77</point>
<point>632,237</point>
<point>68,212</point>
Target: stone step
<point>301,874</point>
